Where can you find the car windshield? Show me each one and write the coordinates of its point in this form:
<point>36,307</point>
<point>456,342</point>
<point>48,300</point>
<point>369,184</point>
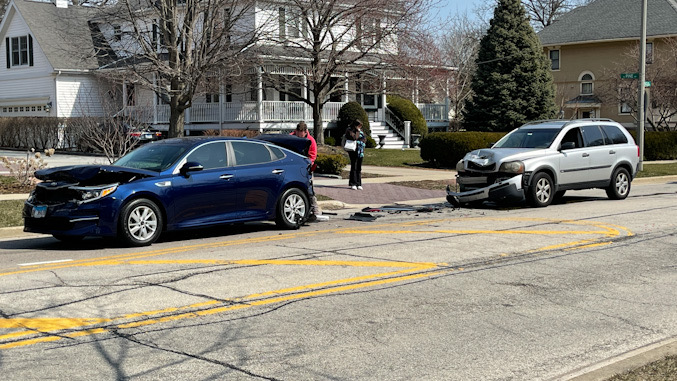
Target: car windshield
<point>153,157</point>
<point>528,138</point>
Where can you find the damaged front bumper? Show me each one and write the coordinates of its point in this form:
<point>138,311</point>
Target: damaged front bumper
<point>509,190</point>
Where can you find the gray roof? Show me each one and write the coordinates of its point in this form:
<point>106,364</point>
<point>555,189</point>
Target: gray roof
<point>63,34</point>
<point>611,20</point>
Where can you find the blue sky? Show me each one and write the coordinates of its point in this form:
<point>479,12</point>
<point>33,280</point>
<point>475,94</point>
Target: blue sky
<point>449,8</point>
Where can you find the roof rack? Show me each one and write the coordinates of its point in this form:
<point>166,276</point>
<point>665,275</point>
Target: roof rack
<point>569,121</point>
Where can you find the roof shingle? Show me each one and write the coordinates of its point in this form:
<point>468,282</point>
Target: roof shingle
<point>611,20</point>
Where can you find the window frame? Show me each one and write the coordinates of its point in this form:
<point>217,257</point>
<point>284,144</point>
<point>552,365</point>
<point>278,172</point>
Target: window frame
<point>552,61</point>
<point>19,51</point>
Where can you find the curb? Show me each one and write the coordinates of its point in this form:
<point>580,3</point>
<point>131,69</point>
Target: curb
<point>624,362</point>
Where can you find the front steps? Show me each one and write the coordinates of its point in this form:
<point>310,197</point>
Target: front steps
<point>392,140</point>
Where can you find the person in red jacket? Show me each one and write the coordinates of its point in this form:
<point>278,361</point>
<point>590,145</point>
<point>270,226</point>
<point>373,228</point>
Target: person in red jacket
<point>302,132</point>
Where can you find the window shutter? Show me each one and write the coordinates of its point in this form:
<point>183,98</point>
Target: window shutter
<point>8,57</point>
<point>30,50</point>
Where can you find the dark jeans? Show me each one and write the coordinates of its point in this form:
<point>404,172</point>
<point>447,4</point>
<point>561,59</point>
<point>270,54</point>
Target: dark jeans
<point>355,169</point>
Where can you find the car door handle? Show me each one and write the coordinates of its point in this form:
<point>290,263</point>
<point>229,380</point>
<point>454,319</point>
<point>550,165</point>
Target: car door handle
<point>612,152</point>
<point>278,171</point>
<point>586,154</point>
<point>226,177</point>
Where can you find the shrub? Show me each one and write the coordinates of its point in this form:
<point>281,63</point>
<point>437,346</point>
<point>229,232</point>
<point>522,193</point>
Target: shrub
<point>660,145</point>
<point>347,114</point>
<point>331,164</point>
<point>371,143</point>
<point>407,110</point>
<point>445,149</point>
<point>330,140</point>
<point>27,132</point>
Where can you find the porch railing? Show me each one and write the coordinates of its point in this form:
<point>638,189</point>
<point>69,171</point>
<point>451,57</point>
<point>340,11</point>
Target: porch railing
<point>434,112</point>
<point>273,111</point>
<point>395,123</point>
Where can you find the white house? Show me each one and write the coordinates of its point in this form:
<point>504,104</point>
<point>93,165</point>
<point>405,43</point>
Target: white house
<point>39,77</point>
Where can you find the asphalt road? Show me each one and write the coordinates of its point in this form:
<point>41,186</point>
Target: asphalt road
<point>454,294</point>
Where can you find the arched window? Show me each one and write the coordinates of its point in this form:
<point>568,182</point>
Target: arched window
<point>586,80</point>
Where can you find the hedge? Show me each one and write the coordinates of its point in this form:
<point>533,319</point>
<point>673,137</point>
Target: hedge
<point>348,113</point>
<point>406,110</point>
<point>445,149</point>
<point>331,164</point>
<point>659,145</point>
<point>29,132</point>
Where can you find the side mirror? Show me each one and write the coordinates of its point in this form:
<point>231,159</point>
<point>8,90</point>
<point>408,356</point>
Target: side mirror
<point>567,145</point>
<point>489,145</point>
<point>191,166</point>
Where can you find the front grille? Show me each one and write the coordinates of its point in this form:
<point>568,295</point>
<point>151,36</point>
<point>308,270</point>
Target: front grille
<point>476,167</point>
<point>47,196</point>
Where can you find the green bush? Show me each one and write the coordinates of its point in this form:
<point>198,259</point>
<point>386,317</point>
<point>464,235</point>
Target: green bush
<point>330,140</point>
<point>660,145</point>
<point>445,149</point>
<point>331,164</point>
<point>406,110</point>
<point>347,114</point>
<point>371,143</point>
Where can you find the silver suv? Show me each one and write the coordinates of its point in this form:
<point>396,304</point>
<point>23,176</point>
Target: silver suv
<point>541,160</point>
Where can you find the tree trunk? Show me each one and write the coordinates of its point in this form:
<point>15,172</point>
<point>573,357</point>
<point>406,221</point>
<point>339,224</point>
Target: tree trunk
<point>177,120</point>
<point>318,131</point>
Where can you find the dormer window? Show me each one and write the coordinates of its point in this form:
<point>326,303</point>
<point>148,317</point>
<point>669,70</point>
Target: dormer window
<point>117,32</point>
<point>19,51</point>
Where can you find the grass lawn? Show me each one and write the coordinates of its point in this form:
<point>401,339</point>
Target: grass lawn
<point>392,157</point>
<point>653,170</point>
<point>10,213</point>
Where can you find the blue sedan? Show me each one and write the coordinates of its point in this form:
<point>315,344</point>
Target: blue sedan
<point>175,184</point>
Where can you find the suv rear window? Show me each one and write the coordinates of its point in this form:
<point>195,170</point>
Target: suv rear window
<point>593,136</point>
<point>614,134</point>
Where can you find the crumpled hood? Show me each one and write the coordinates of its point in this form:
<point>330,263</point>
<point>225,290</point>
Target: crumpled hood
<point>93,174</point>
<point>488,156</point>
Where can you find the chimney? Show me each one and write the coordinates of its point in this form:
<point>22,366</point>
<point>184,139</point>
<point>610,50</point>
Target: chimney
<point>62,3</point>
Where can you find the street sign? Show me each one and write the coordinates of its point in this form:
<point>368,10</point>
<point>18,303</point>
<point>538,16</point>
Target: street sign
<point>647,83</point>
<point>629,75</point>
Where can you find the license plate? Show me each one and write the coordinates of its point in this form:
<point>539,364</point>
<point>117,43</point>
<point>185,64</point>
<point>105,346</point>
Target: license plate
<point>148,136</point>
<point>39,211</point>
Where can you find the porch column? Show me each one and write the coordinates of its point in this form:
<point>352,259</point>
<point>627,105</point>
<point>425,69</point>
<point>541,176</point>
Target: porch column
<point>382,111</point>
<point>416,91</point>
<point>155,103</point>
<point>345,88</point>
<point>222,94</point>
<point>259,96</point>
<point>304,95</point>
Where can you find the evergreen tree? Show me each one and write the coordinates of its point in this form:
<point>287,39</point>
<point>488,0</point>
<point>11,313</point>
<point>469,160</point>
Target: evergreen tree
<point>512,84</point>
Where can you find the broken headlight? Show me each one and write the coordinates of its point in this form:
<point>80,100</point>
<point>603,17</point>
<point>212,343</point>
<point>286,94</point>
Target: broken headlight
<point>459,166</point>
<point>92,193</point>
<point>512,167</point>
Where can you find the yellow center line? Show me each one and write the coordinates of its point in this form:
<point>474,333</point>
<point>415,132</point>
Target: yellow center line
<point>419,270</point>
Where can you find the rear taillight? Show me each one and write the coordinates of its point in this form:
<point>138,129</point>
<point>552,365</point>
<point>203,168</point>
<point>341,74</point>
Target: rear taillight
<point>637,151</point>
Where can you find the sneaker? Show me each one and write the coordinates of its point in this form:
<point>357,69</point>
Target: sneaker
<point>312,218</point>
<point>320,217</point>
<point>353,187</point>
<point>359,187</point>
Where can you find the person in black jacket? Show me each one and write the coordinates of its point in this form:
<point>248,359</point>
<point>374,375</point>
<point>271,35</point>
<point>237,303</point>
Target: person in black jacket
<point>354,132</point>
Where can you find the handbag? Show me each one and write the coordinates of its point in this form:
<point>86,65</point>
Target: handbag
<point>350,145</point>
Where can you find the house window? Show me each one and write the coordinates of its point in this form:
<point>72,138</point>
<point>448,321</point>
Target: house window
<point>625,108</point>
<point>131,94</point>
<point>554,59</point>
<point>586,84</point>
<point>117,32</point>
<point>291,24</point>
<point>19,51</point>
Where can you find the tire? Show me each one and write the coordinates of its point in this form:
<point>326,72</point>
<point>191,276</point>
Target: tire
<point>558,195</point>
<point>292,209</point>
<point>140,223</point>
<point>68,238</point>
<point>542,190</point>
<point>619,188</point>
